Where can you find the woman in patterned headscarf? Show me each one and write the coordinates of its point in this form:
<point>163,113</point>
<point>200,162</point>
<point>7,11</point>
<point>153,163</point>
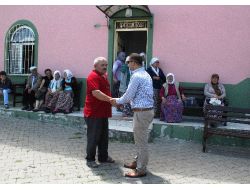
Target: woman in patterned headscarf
<point>215,93</point>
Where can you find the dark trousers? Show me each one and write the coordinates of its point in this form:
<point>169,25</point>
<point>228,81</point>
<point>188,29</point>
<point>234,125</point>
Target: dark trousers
<point>115,92</point>
<point>97,136</point>
<point>29,99</point>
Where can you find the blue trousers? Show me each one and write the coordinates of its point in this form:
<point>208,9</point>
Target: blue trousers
<point>5,93</point>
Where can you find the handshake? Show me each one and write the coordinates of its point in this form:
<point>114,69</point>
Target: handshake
<point>112,101</point>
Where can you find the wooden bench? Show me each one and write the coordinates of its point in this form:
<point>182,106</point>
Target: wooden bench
<point>221,114</point>
<point>197,108</point>
<point>77,96</point>
<point>17,91</point>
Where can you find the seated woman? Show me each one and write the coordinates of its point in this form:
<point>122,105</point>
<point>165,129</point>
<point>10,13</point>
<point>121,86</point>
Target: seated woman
<point>171,95</point>
<point>54,89</point>
<point>65,103</point>
<point>5,88</point>
<point>42,90</point>
<point>214,91</point>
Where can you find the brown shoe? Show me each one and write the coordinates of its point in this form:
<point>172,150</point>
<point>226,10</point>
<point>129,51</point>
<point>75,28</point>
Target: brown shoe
<point>135,174</point>
<point>131,165</point>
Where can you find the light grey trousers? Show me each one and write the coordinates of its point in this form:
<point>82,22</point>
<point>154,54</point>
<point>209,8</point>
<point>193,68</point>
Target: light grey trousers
<point>141,122</point>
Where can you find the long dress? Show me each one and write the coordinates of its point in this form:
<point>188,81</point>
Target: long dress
<point>172,108</point>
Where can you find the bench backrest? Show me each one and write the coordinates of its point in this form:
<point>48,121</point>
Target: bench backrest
<point>227,114</point>
<point>197,92</point>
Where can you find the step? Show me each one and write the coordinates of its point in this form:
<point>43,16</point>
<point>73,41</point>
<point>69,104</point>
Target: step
<point>121,129</point>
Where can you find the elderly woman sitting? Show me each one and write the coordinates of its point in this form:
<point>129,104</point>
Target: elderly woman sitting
<point>214,89</point>
<point>215,94</point>
<point>65,102</point>
<point>171,95</point>
<point>54,89</point>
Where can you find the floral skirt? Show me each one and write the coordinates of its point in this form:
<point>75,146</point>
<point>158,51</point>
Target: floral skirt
<point>62,101</point>
<point>171,110</point>
<point>214,114</point>
<point>65,101</point>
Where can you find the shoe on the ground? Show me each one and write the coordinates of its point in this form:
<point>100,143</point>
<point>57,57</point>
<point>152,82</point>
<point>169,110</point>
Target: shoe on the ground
<point>131,165</point>
<point>92,164</point>
<point>47,110</point>
<point>25,108</point>
<point>67,112</point>
<point>55,111</point>
<point>109,160</point>
<point>6,106</point>
<point>135,174</point>
<point>30,108</point>
<point>35,110</point>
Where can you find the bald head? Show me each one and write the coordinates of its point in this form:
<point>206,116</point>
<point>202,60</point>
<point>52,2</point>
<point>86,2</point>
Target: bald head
<point>100,64</point>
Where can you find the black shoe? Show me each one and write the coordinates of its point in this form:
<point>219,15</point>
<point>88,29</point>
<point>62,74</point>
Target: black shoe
<point>25,108</point>
<point>92,164</point>
<point>30,108</point>
<point>6,106</point>
<point>35,110</point>
<point>109,160</point>
<point>47,110</point>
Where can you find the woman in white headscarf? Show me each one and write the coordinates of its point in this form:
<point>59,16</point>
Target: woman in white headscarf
<point>65,100</point>
<point>54,89</point>
<point>159,79</point>
<point>171,95</point>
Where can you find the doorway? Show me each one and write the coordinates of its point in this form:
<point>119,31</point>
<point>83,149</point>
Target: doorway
<point>131,42</point>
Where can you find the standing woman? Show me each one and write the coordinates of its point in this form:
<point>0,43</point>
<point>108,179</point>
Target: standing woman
<point>65,100</point>
<point>172,96</point>
<point>159,79</point>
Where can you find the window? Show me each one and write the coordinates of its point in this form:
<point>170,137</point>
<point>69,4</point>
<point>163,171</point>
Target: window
<point>20,49</point>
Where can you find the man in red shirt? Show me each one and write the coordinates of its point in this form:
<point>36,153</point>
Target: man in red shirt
<point>97,110</point>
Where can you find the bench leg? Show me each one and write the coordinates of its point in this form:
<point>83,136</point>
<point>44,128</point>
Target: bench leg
<point>205,136</point>
<point>204,144</point>
<point>14,101</point>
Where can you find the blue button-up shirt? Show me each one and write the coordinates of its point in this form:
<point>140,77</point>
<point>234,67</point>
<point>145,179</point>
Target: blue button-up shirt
<point>140,90</point>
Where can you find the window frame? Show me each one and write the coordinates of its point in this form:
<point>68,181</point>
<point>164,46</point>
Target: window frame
<point>8,38</point>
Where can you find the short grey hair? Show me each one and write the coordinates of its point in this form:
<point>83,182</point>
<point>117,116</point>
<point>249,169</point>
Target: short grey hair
<point>99,59</point>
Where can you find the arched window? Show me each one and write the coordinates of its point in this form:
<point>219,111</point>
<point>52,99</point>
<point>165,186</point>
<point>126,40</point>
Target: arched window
<point>21,49</point>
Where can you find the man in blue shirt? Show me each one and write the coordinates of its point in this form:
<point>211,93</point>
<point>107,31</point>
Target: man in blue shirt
<point>140,94</point>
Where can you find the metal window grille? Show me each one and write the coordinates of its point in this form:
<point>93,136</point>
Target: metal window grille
<point>20,49</point>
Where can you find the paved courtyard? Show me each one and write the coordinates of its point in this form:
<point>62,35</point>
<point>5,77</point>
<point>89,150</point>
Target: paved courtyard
<point>35,152</point>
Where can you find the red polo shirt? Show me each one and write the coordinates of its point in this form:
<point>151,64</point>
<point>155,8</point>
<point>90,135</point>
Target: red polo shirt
<point>95,108</point>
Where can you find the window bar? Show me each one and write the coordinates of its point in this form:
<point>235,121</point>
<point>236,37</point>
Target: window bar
<point>32,50</point>
<point>28,52</point>
<point>18,49</point>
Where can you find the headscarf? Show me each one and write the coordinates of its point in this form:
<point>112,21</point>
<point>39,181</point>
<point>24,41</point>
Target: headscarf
<point>153,60</point>
<point>69,74</point>
<point>170,74</point>
<point>216,85</point>
<point>55,84</point>
<point>155,70</point>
